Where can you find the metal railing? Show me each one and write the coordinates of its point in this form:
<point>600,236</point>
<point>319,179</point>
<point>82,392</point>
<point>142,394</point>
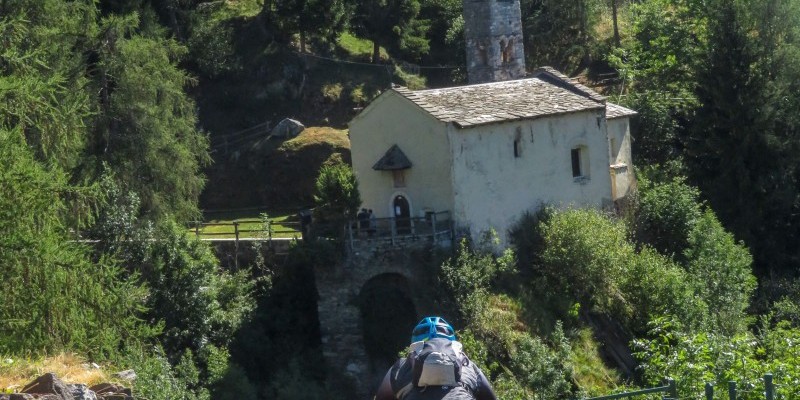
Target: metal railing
<point>434,225</point>
<point>669,389</point>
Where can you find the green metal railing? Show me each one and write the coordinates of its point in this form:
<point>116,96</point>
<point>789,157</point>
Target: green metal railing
<point>671,393</point>
<point>669,389</point>
<point>733,391</point>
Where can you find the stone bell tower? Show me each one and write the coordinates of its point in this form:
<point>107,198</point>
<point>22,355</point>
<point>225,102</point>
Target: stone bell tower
<point>493,32</point>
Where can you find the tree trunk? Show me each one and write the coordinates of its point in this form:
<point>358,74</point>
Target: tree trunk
<point>173,20</point>
<point>376,52</point>
<point>616,27</point>
<point>302,42</point>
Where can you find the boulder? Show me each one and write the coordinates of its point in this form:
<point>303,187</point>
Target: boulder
<point>81,392</point>
<point>102,388</point>
<point>17,396</point>
<point>128,374</point>
<point>287,128</point>
<point>49,384</point>
<point>110,391</point>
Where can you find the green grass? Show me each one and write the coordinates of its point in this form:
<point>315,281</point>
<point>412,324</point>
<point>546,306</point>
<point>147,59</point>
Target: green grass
<point>357,47</point>
<point>250,223</point>
<point>590,372</point>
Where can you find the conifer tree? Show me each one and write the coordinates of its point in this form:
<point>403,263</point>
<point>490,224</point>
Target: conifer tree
<point>391,23</point>
<point>736,151</point>
<point>307,18</point>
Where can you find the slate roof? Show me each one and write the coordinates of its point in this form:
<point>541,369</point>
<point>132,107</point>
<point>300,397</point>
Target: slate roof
<point>617,111</point>
<point>394,159</point>
<point>547,93</point>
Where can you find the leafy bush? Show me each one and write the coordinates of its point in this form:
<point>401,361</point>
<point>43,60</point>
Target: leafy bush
<point>666,214</point>
<point>468,274</point>
<point>198,303</point>
<point>585,256</point>
<point>546,371</point>
<point>658,287</point>
<point>695,358</point>
<point>336,192</point>
<point>155,378</point>
<point>721,273</point>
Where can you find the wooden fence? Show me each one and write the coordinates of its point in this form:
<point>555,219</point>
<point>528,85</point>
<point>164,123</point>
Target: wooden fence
<point>256,229</point>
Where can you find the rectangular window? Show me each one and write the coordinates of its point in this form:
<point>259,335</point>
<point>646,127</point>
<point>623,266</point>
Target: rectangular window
<point>517,150</point>
<point>576,162</point>
<point>399,178</point>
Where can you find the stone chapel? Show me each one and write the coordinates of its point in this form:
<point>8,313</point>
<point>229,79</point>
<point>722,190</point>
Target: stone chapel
<point>506,143</point>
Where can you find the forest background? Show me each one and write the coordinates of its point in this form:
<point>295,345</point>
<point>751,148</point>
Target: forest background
<point>111,113</point>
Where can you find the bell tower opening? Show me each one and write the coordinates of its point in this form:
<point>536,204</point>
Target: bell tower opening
<point>493,35</point>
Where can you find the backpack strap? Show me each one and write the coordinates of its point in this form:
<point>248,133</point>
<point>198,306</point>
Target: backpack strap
<point>403,367</point>
<point>400,394</point>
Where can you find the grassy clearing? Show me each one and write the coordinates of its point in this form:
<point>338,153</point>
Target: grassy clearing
<point>15,373</point>
<point>317,135</point>
<point>251,225</point>
<point>357,47</point>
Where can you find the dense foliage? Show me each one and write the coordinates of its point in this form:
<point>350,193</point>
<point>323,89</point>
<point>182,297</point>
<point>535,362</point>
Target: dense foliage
<point>336,193</point>
<point>55,295</point>
<point>102,151</point>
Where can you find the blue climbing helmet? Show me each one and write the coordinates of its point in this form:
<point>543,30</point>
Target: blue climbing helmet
<point>432,327</point>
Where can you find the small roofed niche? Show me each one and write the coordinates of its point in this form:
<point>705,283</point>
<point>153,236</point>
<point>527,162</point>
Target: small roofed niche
<point>393,160</point>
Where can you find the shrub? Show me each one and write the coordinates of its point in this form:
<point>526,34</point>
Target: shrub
<point>585,256</point>
<point>721,273</point>
<point>197,302</point>
<point>336,194</point>
<point>546,371</point>
<point>657,287</point>
<point>467,276</point>
<point>694,358</point>
<point>666,214</point>
<point>155,378</point>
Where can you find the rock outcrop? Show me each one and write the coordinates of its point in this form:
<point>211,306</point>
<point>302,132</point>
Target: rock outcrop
<point>49,387</point>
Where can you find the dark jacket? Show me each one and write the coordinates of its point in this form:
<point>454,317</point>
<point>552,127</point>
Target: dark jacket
<point>473,384</point>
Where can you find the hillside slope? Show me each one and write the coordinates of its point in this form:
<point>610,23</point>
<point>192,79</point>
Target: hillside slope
<point>273,173</point>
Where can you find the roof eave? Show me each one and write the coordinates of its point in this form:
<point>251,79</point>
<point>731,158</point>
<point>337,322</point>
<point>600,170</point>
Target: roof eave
<point>531,118</point>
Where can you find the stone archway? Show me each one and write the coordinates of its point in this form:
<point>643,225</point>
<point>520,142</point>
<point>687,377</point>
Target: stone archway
<point>387,313</point>
<point>377,267</point>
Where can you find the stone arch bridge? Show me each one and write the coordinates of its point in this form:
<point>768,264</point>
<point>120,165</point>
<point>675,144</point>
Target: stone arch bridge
<point>373,265</point>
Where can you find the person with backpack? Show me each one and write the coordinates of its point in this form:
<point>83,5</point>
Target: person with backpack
<point>435,368</point>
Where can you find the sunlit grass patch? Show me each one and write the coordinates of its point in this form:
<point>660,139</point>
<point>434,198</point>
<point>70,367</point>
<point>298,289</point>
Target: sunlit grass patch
<point>17,372</point>
<point>358,47</point>
<point>283,224</point>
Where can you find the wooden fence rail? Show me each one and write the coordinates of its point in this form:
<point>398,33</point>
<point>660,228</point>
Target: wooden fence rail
<point>270,230</point>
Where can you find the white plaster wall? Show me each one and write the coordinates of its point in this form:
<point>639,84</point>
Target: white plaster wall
<point>622,161</point>
<point>389,120</point>
<point>492,188</point>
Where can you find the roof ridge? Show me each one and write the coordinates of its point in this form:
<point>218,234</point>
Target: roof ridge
<point>534,97</point>
<point>571,84</point>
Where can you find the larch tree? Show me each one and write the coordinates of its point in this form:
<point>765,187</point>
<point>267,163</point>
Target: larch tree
<point>391,23</point>
<point>307,18</point>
